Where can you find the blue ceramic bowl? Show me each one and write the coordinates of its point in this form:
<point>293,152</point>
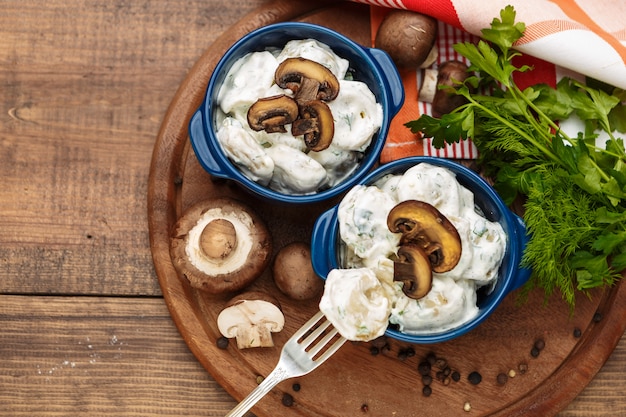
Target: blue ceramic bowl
<point>325,243</point>
<point>369,65</point>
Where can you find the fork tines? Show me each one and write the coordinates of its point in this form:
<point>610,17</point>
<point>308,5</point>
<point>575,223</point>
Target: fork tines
<point>320,331</point>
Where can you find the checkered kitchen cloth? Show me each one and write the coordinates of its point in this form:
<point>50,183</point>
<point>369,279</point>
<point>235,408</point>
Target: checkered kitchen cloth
<point>576,38</point>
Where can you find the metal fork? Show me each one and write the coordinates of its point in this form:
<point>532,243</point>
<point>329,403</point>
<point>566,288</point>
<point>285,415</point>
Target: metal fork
<point>298,357</point>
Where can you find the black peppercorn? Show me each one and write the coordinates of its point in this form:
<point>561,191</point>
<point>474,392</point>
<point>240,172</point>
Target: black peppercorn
<point>222,342</point>
<point>577,333</point>
<point>406,353</point>
<point>296,387</point>
<point>287,400</point>
<point>456,376</point>
<point>423,368</point>
<point>540,344</point>
<point>502,378</point>
<point>534,352</point>
<point>427,379</point>
<point>474,378</point>
<point>379,342</point>
<point>427,390</point>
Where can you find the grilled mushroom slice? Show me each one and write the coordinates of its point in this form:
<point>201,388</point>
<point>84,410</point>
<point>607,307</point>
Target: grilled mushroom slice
<point>316,124</point>
<point>272,113</point>
<point>413,269</point>
<point>307,79</point>
<point>422,224</point>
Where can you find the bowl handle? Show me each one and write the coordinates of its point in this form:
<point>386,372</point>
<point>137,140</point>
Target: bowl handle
<point>200,146</point>
<point>522,274</point>
<point>394,82</point>
<point>321,251</point>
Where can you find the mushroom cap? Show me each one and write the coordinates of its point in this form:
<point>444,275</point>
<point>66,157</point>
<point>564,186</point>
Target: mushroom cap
<point>292,73</point>
<point>407,36</point>
<point>272,113</point>
<point>293,272</point>
<point>233,271</point>
<point>421,223</point>
<point>413,269</point>
<point>449,74</point>
<point>317,125</point>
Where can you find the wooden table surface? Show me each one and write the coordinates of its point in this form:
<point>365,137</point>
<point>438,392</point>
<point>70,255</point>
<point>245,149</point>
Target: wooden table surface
<point>84,329</point>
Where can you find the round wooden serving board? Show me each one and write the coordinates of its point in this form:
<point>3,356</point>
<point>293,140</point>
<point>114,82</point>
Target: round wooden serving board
<point>387,384</point>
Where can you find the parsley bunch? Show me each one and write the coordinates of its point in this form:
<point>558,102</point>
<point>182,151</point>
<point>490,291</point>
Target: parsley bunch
<point>573,192</point>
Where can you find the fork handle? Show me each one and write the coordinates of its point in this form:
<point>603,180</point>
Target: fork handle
<point>276,376</point>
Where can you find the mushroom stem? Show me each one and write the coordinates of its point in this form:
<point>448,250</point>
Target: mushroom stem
<point>218,239</point>
<point>257,335</point>
<point>307,91</point>
<point>413,269</point>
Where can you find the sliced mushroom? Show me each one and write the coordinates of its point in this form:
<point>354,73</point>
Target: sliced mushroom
<point>307,79</point>
<point>316,124</point>
<point>272,113</point>
<point>220,245</point>
<point>413,269</point>
<point>422,224</point>
<point>251,318</point>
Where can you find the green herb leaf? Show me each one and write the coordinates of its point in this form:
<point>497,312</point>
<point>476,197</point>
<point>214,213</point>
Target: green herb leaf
<point>574,192</point>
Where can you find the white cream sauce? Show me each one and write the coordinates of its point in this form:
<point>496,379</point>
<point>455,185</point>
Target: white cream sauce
<point>368,244</point>
<point>356,114</point>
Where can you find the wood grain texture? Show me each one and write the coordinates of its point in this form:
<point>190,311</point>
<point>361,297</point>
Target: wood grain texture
<point>84,88</point>
<point>84,331</point>
<point>97,357</point>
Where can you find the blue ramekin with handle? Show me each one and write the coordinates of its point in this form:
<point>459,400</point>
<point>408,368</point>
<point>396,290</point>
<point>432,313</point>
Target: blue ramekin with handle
<point>325,243</point>
<point>369,65</point>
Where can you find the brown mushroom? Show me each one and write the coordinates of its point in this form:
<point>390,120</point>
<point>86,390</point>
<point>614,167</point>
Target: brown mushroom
<point>408,37</point>
<point>422,224</point>
<point>449,75</point>
<point>272,113</point>
<point>220,245</point>
<point>413,269</point>
<point>316,124</point>
<point>307,79</point>
<point>251,318</point>
<point>293,272</point>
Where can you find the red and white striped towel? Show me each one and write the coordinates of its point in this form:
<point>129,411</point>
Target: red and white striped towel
<point>577,38</point>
